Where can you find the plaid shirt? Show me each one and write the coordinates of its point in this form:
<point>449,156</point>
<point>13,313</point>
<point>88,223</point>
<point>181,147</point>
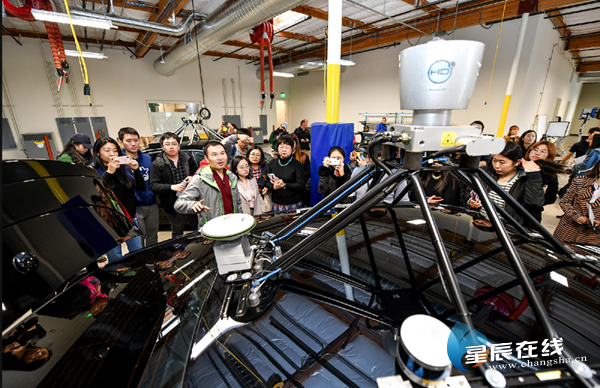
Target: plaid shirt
<point>178,172</point>
<point>255,172</point>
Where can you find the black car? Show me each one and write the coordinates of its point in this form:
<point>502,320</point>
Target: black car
<point>167,318</point>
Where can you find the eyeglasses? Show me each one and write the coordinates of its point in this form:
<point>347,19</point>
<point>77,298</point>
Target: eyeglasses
<point>255,155</point>
<point>284,147</point>
<point>243,167</point>
<point>541,151</point>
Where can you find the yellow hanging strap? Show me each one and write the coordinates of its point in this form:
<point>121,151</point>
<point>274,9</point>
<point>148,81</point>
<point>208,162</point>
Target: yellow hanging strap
<point>82,66</point>
<point>496,54</point>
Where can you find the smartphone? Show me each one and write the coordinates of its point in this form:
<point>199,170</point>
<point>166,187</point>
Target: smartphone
<point>271,176</point>
<point>334,162</point>
<point>123,159</point>
<point>474,196</point>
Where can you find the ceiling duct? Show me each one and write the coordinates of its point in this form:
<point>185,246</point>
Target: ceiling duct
<point>589,77</point>
<point>229,20</point>
<point>178,30</point>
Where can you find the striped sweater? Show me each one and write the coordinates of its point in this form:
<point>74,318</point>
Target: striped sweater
<point>574,204</point>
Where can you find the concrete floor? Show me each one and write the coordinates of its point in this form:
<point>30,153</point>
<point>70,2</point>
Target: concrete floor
<point>549,220</point>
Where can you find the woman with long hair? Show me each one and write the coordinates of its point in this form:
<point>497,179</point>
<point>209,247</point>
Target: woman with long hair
<point>258,164</point>
<point>253,202</point>
<point>513,134</point>
<point>441,187</point>
<point>527,140</point>
<point>78,150</point>
<point>581,204</point>
<point>304,159</point>
<point>518,177</point>
<point>592,155</point>
<point>123,180</point>
<point>334,172</point>
<point>543,154</point>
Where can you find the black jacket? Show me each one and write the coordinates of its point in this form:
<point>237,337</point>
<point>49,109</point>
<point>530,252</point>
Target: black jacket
<point>528,191</point>
<point>551,182</point>
<point>292,175</point>
<point>125,195</point>
<point>161,179</point>
<point>329,182</point>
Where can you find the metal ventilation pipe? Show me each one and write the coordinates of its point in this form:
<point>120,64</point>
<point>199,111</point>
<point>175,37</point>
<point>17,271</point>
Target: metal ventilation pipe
<point>232,18</point>
<point>159,28</point>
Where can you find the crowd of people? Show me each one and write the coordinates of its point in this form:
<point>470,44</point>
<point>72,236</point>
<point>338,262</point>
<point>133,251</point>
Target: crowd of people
<point>239,177</point>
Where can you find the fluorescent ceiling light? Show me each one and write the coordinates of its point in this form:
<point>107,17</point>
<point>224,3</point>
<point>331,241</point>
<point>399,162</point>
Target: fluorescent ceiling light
<point>85,54</point>
<point>559,278</point>
<point>56,17</point>
<point>280,74</point>
<point>345,62</point>
<point>288,19</point>
<point>416,222</point>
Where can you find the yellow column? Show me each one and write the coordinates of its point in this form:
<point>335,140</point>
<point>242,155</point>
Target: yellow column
<point>503,116</point>
<point>333,93</point>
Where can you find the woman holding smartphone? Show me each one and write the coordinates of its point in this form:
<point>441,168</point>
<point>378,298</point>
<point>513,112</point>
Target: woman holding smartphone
<point>122,175</point>
<point>334,172</point>
<point>285,179</point>
<point>518,177</point>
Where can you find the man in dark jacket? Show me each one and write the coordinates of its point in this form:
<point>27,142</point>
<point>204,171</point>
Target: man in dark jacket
<point>146,210</point>
<point>303,135</point>
<point>170,173</point>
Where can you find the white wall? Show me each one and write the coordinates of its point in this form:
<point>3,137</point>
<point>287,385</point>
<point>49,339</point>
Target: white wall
<point>588,99</point>
<point>561,81</point>
<point>121,88</point>
<point>372,84</point>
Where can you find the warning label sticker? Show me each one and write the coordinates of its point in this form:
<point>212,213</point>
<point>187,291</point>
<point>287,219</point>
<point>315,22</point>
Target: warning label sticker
<point>448,139</point>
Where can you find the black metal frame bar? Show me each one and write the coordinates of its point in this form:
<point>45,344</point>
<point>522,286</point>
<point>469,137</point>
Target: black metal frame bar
<point>334,300</point>
<point>337,275</point>
<point>411,274</point>
<point>524,213</point>
<point>323,206</point>
<point>330,228</point>
<point>271,359</point>
<point>365,232</point>
<point>324,363</point>
<point>526,282</point>
<point>577,24</point>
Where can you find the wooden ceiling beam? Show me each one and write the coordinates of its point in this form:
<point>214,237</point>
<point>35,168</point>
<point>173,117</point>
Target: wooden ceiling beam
<point>146,39</point>
<point>119,43</point>
<point>69,38</point>
<point>466,18</point>
<point>237,43</point>
<point>432,10</point>
<point>152,8</point>
<point>585,42</point>
<point>320,14</point>
<point>293,35</point>
<point>588,66</point>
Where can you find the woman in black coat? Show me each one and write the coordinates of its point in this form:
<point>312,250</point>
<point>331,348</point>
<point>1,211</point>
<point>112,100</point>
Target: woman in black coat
<point>334,172</point>
<point>519,177</point>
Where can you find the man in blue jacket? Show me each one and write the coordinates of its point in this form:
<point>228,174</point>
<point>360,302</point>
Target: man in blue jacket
<point>146,211</point>
<point>382,127</point>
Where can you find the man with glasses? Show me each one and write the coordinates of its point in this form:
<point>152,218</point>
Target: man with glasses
<point>170,173</point>
<point>212,192</point>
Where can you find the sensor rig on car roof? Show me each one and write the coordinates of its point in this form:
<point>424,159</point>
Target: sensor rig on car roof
<point>435,78</point>
<point>194,119</point>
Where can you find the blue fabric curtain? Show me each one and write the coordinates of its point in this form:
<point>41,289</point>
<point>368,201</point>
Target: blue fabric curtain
<point>323,137</point>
